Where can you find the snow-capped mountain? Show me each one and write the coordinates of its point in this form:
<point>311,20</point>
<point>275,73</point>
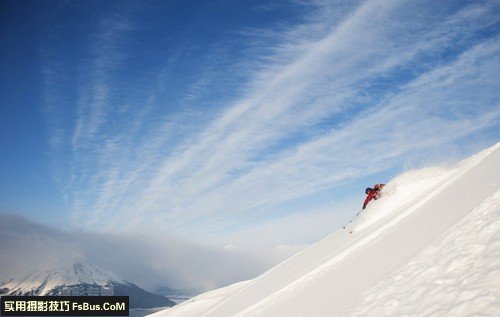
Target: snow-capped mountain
<point>77,276</point>
<point>428,247</point>
<point>64,271</point>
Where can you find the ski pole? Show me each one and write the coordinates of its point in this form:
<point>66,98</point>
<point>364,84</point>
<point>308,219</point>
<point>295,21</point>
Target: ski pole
<point>352,218</point>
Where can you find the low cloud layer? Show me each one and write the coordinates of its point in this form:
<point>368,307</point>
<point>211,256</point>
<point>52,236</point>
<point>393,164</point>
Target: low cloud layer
<point>147,261</point>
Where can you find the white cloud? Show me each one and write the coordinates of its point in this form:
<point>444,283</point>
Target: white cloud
<point>371,91</point>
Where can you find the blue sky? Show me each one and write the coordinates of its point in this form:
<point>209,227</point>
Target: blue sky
<point>225,120</point>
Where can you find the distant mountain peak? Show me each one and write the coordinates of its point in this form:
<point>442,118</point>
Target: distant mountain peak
<point>70,275</point>
<point>63,271</point>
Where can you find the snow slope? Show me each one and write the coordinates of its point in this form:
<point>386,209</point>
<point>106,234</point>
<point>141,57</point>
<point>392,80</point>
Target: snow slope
<point>429,247</point>
<point>67,271</point>
<point>197,305</point>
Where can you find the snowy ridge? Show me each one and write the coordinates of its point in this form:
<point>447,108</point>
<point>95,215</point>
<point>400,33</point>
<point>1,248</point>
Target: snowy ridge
<point>434,232</point>
<point>411,189</point>
<point>197,305</point>
<point>63,271</point>
<point>463,285</point>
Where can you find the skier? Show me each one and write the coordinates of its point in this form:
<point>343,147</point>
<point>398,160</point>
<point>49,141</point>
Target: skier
<point>372,193</point>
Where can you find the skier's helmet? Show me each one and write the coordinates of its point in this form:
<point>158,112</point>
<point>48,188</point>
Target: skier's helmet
<point>367,190</point>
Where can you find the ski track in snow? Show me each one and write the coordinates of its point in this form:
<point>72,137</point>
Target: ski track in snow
<point>198,304</point>
<point>458,275</point>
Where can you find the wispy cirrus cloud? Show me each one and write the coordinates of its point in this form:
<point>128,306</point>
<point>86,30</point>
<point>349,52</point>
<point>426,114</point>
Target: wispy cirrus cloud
<point>350,92</point>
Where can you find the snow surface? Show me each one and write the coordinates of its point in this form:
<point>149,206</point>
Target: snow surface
<point>63,271</point>
<point>429,247</point>
<point>197,305</point>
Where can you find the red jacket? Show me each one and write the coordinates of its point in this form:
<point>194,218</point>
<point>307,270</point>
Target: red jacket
<point>373,194</point>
